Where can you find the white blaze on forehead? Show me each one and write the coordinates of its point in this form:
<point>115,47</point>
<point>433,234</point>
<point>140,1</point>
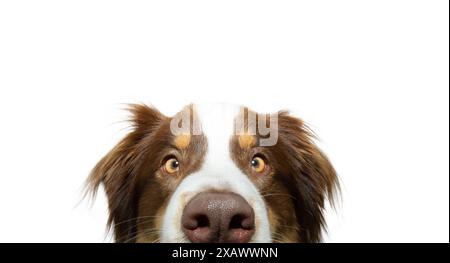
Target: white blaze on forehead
<point>217,123</point>
<point>218,172</point>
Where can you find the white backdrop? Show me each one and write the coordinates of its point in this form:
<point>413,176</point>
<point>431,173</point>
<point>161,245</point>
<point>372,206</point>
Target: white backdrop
<point>371,77</point>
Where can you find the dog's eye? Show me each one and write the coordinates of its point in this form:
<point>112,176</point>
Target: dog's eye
<point>172,166</point>
<point>258,164</point>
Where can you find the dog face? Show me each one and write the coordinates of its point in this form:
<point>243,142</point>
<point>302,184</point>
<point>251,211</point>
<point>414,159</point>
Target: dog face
<point>215,173</point>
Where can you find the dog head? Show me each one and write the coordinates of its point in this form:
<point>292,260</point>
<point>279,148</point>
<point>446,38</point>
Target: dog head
<point>215,173</point>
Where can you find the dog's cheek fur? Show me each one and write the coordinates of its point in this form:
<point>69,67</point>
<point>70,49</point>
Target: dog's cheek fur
<point>118,171</point>
<point>283,221</point>
<point>150,213</point>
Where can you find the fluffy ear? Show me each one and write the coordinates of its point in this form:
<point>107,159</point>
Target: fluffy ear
<point>117,171</point>
<point>311,176</point>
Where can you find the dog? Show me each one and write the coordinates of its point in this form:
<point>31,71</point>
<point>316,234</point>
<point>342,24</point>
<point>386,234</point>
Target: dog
<point>216,173</point>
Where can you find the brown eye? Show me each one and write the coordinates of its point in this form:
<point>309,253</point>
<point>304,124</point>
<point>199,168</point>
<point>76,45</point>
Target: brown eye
<point>258,164</point>
<point>172,166</point>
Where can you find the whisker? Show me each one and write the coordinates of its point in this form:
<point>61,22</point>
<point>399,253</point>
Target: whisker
<point>135,234</point>
<point>279,194</point>
<point>134,218</point>
<point>288,226</point>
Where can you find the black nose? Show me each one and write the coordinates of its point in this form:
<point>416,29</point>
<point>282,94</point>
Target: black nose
<point>218,217</point>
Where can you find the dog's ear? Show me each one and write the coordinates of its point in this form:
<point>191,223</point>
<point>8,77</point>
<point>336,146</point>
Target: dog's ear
<point>117,171</point>
<point>310,175</point>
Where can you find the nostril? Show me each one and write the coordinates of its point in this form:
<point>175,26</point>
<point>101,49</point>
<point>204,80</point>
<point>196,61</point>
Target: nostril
<point>240,221</point>
<point>240,229</point>
<point>195,221</point>
<point>202,221</point>
<point>235,222</point>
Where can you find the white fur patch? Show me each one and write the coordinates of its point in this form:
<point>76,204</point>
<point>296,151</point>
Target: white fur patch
<point>218,172</point>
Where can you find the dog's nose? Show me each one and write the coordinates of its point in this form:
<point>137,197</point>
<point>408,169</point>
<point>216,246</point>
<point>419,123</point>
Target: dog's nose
<point>218,217</point>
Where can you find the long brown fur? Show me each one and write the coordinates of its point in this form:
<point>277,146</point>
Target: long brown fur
<point>119,169</point>
<point>310,177</point>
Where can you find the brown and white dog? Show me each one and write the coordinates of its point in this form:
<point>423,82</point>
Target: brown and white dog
<point>215,173</point>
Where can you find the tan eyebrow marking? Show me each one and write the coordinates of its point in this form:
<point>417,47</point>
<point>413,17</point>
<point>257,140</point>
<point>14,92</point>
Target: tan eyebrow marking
<point>246,141</point>
<point>182,141</point>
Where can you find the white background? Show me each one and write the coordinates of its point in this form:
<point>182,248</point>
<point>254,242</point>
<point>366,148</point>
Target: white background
<point>371,77</point>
